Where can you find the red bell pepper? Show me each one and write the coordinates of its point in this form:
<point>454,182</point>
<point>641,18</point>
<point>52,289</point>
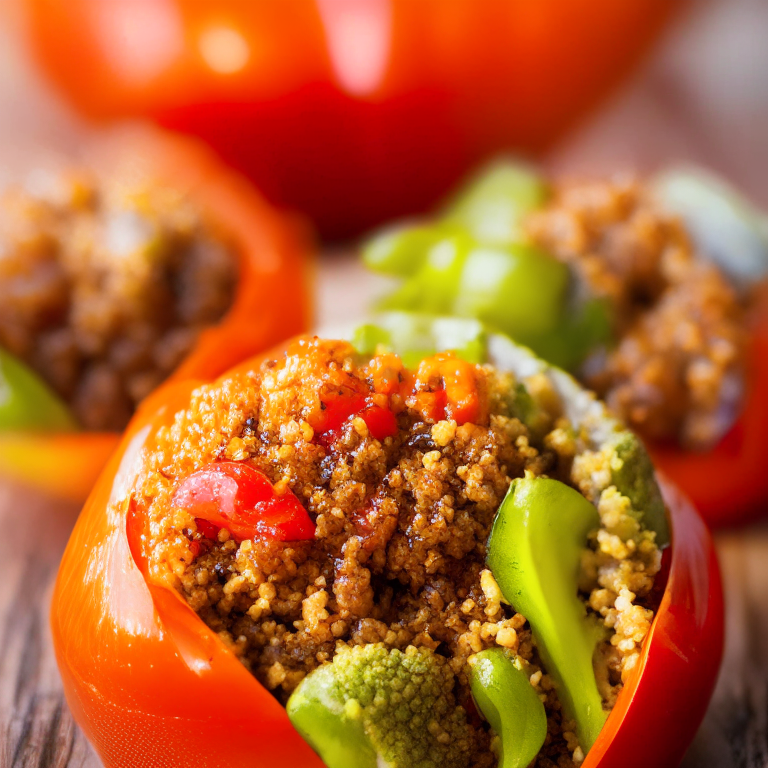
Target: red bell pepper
<point>388,102</point>
<point>271,301</point>
<point>151,685</point>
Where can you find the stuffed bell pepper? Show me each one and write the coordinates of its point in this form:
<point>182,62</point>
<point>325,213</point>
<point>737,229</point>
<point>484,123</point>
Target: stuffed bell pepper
<point>653,294</point>
<point>116,273</point>
<point>369,554</point>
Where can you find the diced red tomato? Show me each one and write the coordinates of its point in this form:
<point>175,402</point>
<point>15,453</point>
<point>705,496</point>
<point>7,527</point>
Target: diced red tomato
<point>237,497</point>
<point>381,421</point>
<point>209,530</point>
<point>446,387</point>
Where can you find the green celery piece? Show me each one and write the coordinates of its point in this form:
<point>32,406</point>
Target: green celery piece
<point>534,552</point>
<point>432,288</point>
<point>517,288</point>
<point>26,401</point>
<point>505,696</point>
<point>415,336</point>
<point>402,249</point>
<point>578,333</point>
<point>493,204</point>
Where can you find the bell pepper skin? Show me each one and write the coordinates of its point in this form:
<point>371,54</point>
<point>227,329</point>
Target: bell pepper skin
<point>663,702</point>
<point>389,125</point>
<point>64,465</point>
<point>145,677</point>
<point>513,287</point>
<point>271,301</point>
<point>505,696</point>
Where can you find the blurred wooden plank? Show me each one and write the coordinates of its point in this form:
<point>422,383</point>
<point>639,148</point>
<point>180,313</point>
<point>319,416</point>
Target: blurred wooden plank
<point>735,731</point>
<point>36,728</point>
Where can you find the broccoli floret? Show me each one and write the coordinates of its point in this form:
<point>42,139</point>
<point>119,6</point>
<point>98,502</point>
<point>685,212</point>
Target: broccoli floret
<point>633,475</point>
<point>374,707</point>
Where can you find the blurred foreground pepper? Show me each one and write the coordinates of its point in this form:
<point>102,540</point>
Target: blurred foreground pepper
<point>40,442</point>
<point>388,102</point>
<point>149,682</point>
<point>653,295</point>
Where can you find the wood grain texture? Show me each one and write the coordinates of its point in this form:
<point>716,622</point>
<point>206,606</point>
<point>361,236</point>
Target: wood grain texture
<point>735,731</point>
<point>36,728</point>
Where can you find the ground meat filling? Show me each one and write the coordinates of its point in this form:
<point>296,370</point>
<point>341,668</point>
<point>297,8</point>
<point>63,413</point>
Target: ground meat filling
<point>105,286</point>
<point>398,555</point>
<point>677,370</point>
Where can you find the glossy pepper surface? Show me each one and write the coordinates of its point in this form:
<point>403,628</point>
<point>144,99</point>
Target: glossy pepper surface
<point>388,102</point>
<point>271,301</point>
<point>145,678</point>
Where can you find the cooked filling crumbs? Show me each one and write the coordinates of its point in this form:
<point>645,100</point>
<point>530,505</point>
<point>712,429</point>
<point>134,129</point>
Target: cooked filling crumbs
<point>399,549</point>
<point>677,371</point>
<point>105,286</point>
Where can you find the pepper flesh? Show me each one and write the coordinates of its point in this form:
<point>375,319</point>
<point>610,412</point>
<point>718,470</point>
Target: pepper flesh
<point>415,336</point>
<point>157,661</point>
<point>271,302</point>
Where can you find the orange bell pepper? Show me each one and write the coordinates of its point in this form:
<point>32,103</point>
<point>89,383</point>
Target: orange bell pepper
<point>729,483</point>
<point>151,685</point>
<point>389,102</point>
<point>272,299</point>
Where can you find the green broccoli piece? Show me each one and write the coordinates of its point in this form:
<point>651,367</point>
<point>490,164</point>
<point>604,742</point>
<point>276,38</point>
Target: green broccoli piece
<point>374,707</point>
<point>633,475</point>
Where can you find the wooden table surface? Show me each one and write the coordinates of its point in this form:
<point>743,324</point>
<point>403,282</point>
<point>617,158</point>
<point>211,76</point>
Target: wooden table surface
<point>703,97</point>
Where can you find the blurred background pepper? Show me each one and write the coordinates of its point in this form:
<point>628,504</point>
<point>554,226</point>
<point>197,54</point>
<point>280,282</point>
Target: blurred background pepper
<point>353,111</point>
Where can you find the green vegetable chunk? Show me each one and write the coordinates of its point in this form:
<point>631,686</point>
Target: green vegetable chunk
<point>516,288</point>
<point>509,703</point>
<point>415,336</point>
<point>26,401</point>
<point>494,203</point>
<point>402,249</point>
<point>633,475</point>
<point>534,552</point>
<point>373,707</point>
